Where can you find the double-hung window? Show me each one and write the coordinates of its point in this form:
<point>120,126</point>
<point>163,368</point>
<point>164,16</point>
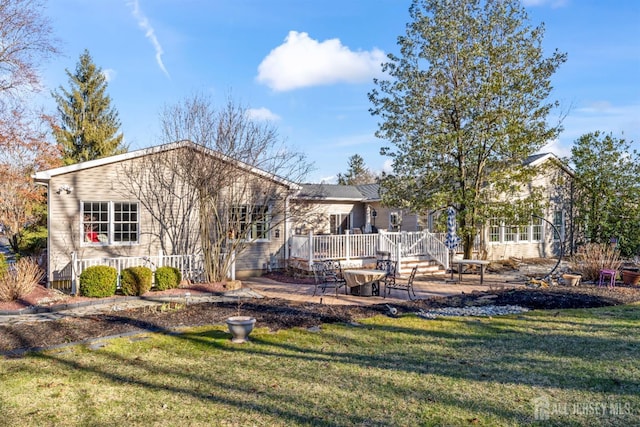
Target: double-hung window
<point>250,222</point>
<point>107,223</point>
<point>558,222</point>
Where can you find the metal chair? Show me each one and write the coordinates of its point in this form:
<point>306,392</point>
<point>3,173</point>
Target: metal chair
<point>391,268</point>
<point>607,276</point>
<point>328,274</point>
<point>405,286</point>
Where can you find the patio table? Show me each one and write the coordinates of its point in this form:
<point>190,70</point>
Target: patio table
<point>463,262</point>
<point>363,282</point>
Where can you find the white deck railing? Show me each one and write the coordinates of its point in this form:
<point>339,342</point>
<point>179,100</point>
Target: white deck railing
<point>191,266</point>
<point>347,246</point>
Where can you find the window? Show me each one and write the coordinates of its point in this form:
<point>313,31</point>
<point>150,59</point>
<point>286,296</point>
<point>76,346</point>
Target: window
<point>558,222</point>
<point>339,223</point>
<point>251,222</point>
<point>523,233</point>
<point>536,230</point>
<point>494,230</point>
<point>110,222</point>
<point>510,232</point>
<point>395,221</point>
<point>125,222</point>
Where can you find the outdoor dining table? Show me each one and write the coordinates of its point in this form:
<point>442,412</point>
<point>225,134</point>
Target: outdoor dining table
<point>462,262</point>
<point>363,282</point>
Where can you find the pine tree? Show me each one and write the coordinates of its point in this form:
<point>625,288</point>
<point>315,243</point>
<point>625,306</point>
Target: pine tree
<point>357,174</point>
<point>465,103</point>
<point>89,124</point>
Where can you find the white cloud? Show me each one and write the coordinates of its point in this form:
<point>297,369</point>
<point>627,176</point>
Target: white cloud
<point>387,166</point>
<point>109,74</point>
<point>556,147</point>
<point>302,62</point>
<point>149,33</point>
<point>262,114</point>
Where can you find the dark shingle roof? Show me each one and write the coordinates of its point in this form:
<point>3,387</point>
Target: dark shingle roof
<point>370,192</point>
<point>329,192</point>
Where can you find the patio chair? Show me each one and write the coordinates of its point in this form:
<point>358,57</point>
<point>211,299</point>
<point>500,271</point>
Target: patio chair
<point>328,274</point>
<point>390,267</point>
<point>405,286</point>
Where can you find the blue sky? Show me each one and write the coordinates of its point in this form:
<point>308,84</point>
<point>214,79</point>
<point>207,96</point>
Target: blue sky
<point>308,65</point>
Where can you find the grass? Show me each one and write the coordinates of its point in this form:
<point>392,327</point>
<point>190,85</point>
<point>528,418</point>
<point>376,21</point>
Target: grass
<point>402,372</point>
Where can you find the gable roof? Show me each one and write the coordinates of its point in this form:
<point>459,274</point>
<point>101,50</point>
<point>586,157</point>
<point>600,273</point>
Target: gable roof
<point>338,192</point>
<point>46,175</point>
<point>540,158</point>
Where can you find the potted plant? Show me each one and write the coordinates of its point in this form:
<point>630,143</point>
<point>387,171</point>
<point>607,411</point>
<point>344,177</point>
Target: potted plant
<point>240,326</point>
<point>572,279</point>
<point>630,277</point>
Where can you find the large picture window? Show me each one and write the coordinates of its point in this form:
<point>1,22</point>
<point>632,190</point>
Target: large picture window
<point>251,222</point>
<point>110,222</point>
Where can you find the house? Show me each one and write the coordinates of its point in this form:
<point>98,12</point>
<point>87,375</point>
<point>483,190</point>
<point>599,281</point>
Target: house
<point>336,209</point>
<point>359,208</point>
<point>548,235</point>
<point>143,205</point>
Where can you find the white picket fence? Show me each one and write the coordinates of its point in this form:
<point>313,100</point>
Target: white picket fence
<point>348,246</point>
<point>191,266</point>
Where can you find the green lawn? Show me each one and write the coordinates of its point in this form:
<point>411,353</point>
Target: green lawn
<point>578,367</point>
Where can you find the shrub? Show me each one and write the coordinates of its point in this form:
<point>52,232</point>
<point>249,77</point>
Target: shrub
<point>593,257</point>
<point>98,281</point>
<point>20,280</point>
<point>167,278</point>
<point>136,280</point>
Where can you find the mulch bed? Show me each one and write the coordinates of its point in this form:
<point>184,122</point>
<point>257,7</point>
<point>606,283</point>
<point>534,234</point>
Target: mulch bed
<point>280,314</point>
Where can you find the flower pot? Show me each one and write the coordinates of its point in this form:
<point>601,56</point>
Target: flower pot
<point>240,328</point>
<point>572,279</point>
<point>630,277</point>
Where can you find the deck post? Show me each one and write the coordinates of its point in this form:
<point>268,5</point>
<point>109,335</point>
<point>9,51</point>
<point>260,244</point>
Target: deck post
<point>310,248</point>
<point>399,258</point>
<point>347,240</point>
<point>74,276</point>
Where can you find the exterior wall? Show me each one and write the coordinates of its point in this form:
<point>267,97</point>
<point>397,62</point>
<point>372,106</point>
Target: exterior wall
<point>557,192</point>
<point>410,221</point>
<point>314,215</point>
<point>111,183</point>
<point>65,234</point>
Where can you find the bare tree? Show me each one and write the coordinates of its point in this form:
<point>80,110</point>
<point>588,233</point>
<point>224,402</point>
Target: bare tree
<point>223,189</point>
<point>25,39</point>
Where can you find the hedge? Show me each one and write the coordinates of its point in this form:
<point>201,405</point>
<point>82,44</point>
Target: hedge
<point>98,281</point>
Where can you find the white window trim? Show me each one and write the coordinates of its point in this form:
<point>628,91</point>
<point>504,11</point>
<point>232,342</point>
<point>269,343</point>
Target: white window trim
<point>517,236</point>
<point>111,214</point>
<point>268,224</point>
<point>399,224</point>
<point>342,216</point>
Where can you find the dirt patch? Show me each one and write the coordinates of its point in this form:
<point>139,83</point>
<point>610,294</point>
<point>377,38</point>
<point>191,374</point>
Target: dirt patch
<point>281,314</point>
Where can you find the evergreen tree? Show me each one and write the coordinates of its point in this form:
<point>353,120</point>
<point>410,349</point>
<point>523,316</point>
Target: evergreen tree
<point>357,174</point>
<point>464,105</point>
<point>89,126</point>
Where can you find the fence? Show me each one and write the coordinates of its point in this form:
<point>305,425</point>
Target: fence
<point>346,246</point>
<point>191,266</point>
